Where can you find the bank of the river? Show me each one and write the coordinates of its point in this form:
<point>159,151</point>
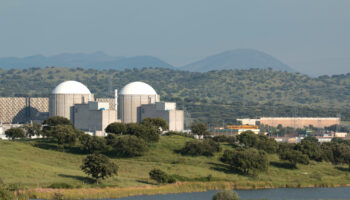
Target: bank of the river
<point>183,187</point>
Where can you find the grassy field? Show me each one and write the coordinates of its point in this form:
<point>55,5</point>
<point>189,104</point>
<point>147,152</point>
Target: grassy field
<point>23,163</point>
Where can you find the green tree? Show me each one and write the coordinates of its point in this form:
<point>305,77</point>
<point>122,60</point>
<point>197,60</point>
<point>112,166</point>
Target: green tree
<point>147,133</point>
<point>157,122</point>
<point>311,149</point>
<point>294,157</point>
<point>248,139</point>
<point>57,120</point>
<point>116,128</point>
<point>99,166</point>
<point>247,161</point>
<point>14,133</point>
<point>226,195</point>
<point>199,129</point>
<point>130,146</point>
<point>92,144</point>
<point>64,134</point>
<point>158,175</point>
<point>32,129</point>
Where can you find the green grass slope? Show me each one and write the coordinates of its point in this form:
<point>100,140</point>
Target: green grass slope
<point>23,163</point>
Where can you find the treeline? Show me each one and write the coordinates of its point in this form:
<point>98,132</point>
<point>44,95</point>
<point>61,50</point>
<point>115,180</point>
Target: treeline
<point>210,97</point>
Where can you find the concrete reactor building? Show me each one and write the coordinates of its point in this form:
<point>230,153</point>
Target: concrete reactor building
<point>130,99</point>
<point>65,96</point>
<point>74,101</point>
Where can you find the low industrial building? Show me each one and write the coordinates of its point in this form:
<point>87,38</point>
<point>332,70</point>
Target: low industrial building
<point>232,130</point>
<point>300,122</point>
<point>165,110</point>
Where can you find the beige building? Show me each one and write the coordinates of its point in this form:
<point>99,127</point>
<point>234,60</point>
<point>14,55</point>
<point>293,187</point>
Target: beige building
<point>299,122</point>
<point>166,111</point>
<point>94,117</point>
<point>14,110</point>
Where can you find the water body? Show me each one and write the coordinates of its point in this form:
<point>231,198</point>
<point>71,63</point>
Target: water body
<point>340,193</point>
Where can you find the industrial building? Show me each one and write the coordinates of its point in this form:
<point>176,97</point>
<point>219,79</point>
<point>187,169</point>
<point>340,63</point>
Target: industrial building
<point>74,101</point>
<point>293,122</point>
<point>231,130</point>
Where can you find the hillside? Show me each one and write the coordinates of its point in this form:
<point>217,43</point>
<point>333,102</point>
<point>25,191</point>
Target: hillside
<point>215,96</point>
<point>238,59</point>
<point>36,165</point>
<point>97,60</point>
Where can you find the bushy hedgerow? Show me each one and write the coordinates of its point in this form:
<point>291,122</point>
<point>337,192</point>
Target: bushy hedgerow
<point>129,146</point>
<point>224,138</point>
<point>294,157</point>
<point>200,148</point>
<point>251,140</point>
<point>147,133</point>
<point>246,161</point>
<point>160,176</point>
<point>92,144</point>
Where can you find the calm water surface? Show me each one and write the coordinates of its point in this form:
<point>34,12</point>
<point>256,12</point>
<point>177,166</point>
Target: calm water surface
<point>270,194</point>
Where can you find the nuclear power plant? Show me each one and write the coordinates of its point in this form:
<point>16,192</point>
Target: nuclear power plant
<point>74,101</point>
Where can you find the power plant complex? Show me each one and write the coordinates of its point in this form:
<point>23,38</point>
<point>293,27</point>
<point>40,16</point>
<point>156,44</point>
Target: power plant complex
<point>74,101</point>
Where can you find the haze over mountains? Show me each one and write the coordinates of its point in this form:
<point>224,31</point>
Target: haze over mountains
<point>233,59</point>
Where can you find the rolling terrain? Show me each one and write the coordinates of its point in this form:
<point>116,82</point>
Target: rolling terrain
<point>37,164</point>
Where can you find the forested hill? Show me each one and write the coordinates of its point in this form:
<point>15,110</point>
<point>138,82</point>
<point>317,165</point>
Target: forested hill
<point>214,96</point>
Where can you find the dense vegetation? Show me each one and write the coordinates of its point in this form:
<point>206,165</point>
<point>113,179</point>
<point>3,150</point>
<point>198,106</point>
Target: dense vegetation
<point>215,96</point>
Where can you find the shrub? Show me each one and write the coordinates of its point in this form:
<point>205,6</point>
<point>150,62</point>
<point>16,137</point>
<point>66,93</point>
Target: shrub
<point>14,133</point>
<point>116,128</point>
<point>60,185</point>
<point>6,194</point>
<point>130,146</point>
<point>294,157</point>
<point>178,133</point>
<point>224,138</point>
<point>226,195</point>
<point>197,148</point>
<point>246,161</point>
<point>160,176</point>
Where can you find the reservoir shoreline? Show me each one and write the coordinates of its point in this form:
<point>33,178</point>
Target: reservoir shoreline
<point>180,187</point>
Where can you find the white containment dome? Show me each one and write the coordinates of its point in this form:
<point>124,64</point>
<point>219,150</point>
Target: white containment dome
<point>71,87</point>
<point>130,99</point>
<point>137,88</point>
<point>65,96</point>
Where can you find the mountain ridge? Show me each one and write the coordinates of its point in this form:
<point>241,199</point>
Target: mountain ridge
<point>238,59</point>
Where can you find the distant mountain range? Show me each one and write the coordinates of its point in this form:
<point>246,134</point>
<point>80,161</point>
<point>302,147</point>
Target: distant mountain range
<point>234,59</point>
<point>238,59</point>
<point>98,60</point>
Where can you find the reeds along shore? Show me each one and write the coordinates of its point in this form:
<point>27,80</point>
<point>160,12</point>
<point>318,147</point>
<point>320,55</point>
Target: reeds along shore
<point>180,187</point>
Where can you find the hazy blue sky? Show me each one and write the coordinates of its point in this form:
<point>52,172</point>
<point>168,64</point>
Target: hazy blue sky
<point>308,35</point>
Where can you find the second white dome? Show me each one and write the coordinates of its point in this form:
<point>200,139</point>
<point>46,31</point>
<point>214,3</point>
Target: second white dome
<point>138,88</point>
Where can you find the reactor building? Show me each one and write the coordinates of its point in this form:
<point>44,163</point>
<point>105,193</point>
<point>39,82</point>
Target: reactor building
<point>74,101</point>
